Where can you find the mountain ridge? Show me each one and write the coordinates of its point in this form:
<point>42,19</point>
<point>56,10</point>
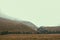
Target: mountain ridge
<point>11,25</point>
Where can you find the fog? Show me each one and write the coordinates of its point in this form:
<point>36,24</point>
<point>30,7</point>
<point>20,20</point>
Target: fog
<point>39,12</point>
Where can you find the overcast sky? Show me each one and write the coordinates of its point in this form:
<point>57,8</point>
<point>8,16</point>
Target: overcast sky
<point>39,12</point>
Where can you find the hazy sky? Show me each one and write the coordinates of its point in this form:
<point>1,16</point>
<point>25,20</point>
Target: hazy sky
<point>39,12</point>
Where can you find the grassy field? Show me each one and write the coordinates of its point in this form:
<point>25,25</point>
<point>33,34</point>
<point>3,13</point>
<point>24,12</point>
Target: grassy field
<point>30,37</point>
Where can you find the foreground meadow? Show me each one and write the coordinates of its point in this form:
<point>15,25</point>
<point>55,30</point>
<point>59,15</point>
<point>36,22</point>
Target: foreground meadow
<point>30,37</point>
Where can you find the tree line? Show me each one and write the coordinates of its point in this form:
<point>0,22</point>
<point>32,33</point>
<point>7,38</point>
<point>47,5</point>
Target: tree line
<point>40,30</point>
<point>6,32</point>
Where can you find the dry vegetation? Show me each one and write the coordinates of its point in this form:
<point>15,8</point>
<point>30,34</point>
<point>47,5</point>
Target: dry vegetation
<point>30,37</point>
<point>14,26</point>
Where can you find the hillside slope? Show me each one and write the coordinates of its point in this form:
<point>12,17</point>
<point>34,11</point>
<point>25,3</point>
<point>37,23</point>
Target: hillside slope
<point>15,26</point>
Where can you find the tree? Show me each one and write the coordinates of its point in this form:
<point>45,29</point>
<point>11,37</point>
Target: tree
<point>42,30</point>
<point>4,32</point>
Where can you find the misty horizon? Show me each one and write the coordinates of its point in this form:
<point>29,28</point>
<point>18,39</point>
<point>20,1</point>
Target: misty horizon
<point>8,17</point>
<point>40,13</point>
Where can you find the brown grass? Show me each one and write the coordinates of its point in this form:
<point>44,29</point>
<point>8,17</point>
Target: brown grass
<point>30,37</point>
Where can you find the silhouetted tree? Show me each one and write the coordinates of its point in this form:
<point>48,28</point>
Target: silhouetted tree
<point>4,32</point>
<point>42,30</point>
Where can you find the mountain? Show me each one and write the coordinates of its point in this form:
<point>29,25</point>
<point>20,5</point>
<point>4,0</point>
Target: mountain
<point>49,29</point>
<point>29,24</point>
<point>16,26</point>
<point>53,28</point>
